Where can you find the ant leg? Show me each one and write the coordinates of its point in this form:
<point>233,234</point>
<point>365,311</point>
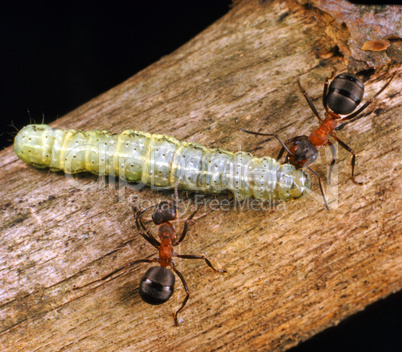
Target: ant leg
<point>116,271</point>
<point>331,166</point>
<point>193,256</point>
<point>189,256</point>
<point>138,216</point>
<point>280,154</point>
<point>350,150</point>
<point>319,183</point>
<point>368,102</point>
<point>185,229</point>
<point>147,235</point>
<point>128,265</point>
<point>140,213</point>
<point>310,103</point>
<point>187,294</point>
<point>272,135</point>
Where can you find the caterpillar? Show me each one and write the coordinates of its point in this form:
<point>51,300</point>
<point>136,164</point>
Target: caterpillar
<point>160,161</point>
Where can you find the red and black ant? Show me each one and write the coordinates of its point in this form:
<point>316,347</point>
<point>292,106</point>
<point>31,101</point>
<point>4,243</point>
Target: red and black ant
<point>342,96</point>
<point>157,284</point>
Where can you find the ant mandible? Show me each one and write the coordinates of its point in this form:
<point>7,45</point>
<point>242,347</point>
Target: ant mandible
<point>157,284</point>
<point>342,96</point>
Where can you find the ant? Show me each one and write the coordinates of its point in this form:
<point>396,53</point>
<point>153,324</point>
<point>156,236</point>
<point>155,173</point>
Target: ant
<point>157,284</point>
<point>342,96</point>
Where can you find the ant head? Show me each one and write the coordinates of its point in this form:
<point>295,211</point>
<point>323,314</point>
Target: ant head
<point>157,285</point>
<point>304,152</point>
<point>164,212</point>
<point>344,93</point>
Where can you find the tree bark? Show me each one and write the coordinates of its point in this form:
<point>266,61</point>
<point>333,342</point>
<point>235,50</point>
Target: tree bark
<point>293,269</point>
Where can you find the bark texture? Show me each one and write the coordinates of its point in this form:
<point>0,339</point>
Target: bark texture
<point>292,270</point>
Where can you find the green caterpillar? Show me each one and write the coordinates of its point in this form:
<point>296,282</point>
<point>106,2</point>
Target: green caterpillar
<point>160,161</point>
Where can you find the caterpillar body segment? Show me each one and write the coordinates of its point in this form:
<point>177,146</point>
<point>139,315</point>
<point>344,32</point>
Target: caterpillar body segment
<point>160,161</point>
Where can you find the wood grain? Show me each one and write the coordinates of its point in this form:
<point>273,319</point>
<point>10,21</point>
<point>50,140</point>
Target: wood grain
<point>292,270</point>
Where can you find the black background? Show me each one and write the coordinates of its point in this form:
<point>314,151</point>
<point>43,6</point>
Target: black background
<point>57,56</point>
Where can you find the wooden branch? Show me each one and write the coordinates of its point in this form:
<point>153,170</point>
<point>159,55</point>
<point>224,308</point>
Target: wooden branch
<point>292,270</point>
<point>367,36</point>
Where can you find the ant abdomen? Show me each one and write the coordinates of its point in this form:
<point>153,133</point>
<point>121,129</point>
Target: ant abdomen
<point>345,93</point>
<point>157,285</point>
